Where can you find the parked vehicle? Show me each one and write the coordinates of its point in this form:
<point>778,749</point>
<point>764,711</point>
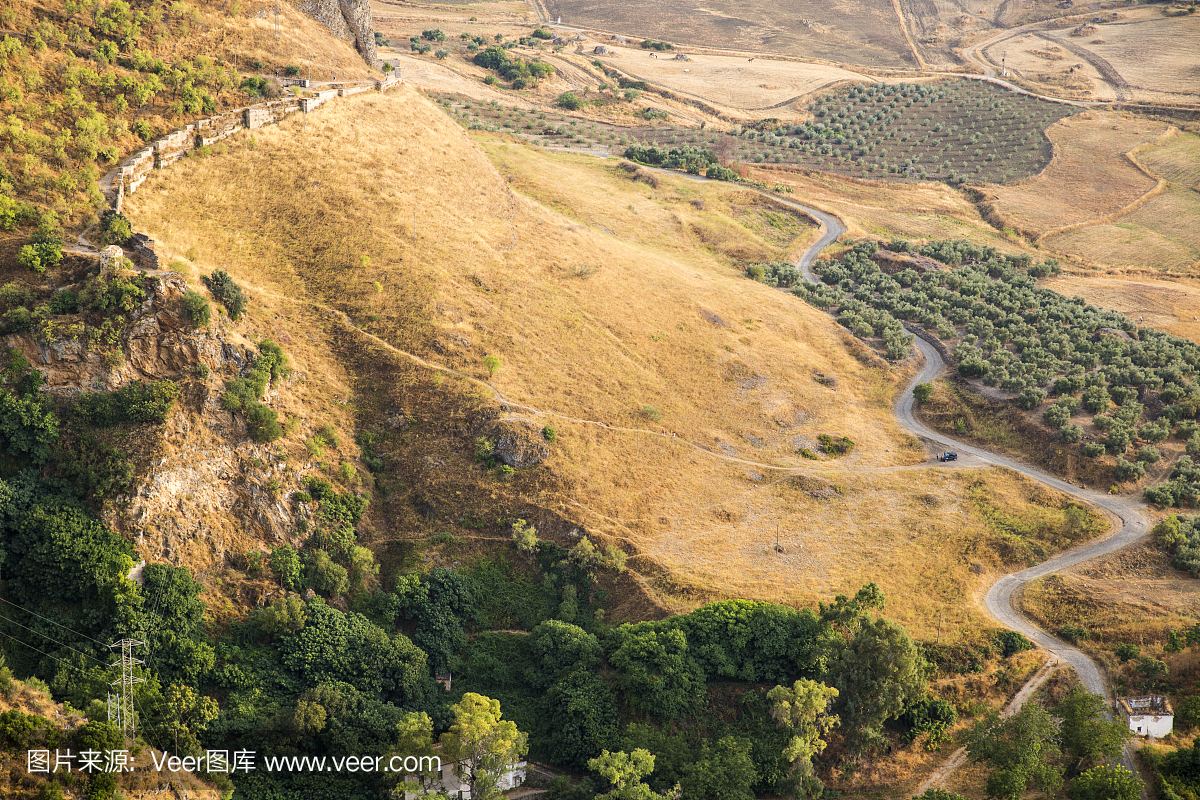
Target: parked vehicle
<point>948,456</point>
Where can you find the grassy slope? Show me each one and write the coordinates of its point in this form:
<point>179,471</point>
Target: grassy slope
<point>592,325</point>
<point>58,142</point>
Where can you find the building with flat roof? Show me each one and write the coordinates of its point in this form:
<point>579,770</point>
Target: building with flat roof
<point>1147,716</point>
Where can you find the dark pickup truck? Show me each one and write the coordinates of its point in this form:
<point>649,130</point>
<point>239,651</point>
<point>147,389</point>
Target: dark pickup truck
<point>951,456</point>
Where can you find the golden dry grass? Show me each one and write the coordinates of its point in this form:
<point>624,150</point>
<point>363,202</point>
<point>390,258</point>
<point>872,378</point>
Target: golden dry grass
<point>1133,595</point>
<point>1161,234</point>
<point>1089,178</point>
<point>599,294</point>
<point>1167,305</point>
<point>1177,160</point>
<point>875,208</point>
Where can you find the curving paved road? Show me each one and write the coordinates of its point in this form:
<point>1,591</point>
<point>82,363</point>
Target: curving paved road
<point>999,597</point>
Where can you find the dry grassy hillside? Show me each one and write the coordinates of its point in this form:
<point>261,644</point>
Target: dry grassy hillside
<point>600,295</point>
<point>1091,175</point>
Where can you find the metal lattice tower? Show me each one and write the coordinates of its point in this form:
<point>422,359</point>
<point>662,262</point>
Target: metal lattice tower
<point>126,719</point>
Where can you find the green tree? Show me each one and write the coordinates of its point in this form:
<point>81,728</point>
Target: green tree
<point>1152,671</point>
<point>286,563</point>
<point>570,101</point>
<point>188,714</point>
<point>443,603</point>
<point>1022,751</point>
<point>491,364</point>
<point>284,617</point>
<point>923,392</point>
<point>482,745</point>
<point>878,675</point>
<point>581,712</point>
<point>656,673</point>
<point>324,576</point>
<point>349,648</point>
<point>803,709</point>
<point>723,771</point>
<point>525,536</point>
<point>560,648</point>
<point>1086,732</point>
<point>1106,782</point>
<point>624,772</point>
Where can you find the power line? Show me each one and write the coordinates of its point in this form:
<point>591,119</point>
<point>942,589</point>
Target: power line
<point>60,644</point>
<point>52,622</point>
<point>47,655</point>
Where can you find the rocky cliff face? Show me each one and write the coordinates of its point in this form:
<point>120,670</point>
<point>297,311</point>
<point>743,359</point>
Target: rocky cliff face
<point>158,343</point>
<point>204,494</point>
<point>349,20</point>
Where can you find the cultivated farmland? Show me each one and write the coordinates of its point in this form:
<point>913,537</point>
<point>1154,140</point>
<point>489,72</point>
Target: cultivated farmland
<point>1176,159</point>
<point>960,132</point>
<point>1168,305</point>
<point>1140,383</point>
<point>1161,234</point>
<point>848,31</point>
<point>1090,178</point>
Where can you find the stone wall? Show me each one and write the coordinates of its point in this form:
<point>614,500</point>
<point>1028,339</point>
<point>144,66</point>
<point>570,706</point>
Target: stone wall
<point>131,173</point>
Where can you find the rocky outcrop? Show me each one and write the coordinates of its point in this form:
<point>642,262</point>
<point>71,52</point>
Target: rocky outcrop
<point>157,343</point>
<point>358,16</point>
<point>519,444</point>
<point>348,20</point>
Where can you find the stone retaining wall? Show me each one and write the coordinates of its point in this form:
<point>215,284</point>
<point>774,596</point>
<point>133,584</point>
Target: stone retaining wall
<point>132,172</point>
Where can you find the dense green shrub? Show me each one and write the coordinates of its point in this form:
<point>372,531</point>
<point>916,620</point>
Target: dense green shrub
<point>115,228</point>
<point>1129,470</point>
<point>717,172</point>
<point>570,101</point>
<point>136,404</point>
<point>835,447</point>
<point>335,647</point>
<point>776,273</point>
<point>269,366</point>
<point>695,160</point>
<point>195,308</point>
<point>1070,433</point>
<point>227,292</point>
<point>262,422</point>
<point>1012,642</point>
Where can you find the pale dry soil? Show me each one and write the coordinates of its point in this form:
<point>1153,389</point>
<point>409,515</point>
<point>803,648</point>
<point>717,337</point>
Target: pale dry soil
<point>1169,305</point>
<point>1090,176</point>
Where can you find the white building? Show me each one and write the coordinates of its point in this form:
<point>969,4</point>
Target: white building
<point>1148,716</point>
<point>448,783</point>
